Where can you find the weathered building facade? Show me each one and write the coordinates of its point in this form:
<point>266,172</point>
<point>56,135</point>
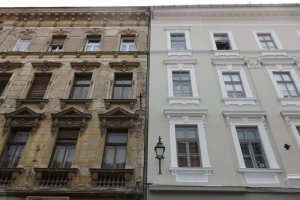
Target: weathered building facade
<point>224,98</point>
<point>73,89</point>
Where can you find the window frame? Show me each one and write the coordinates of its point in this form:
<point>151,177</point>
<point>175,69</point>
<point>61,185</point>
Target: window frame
<point>32,83</point>
<point>50,49</point>
<point>87,40</point>
<point>248,99</point>
<point>124,37</point>
<point>286,82</point>
<point>182,82</point>
<point>183,30</point>
<point>233,51</point>
<point>18,43</point>
<point>123,85</point>
<point>72,89</point>
<point>122,131</point>
<point>194,99</point>
<point>266,52</point>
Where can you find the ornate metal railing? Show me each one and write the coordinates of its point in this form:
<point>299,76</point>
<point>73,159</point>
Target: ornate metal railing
<point>112,178</point>
<point>54,177</point>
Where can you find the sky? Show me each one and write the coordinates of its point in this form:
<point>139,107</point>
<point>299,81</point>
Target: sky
<point>75,3</point>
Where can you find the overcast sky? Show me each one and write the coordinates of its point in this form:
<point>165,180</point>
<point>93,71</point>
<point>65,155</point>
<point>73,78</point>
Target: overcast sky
<point>70,3</point>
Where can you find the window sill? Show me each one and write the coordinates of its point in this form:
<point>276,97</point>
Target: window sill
<point>184,100</point>
<point>289,101</point>
<point>85,102</point>
<point>273,53</point>
<point>293,180</point>
<point>179,52</point>
<point>41,102</point>
<point>191,174</point>
<point>130,102</point>
<point>239,101</point>
<point>226,53</point>
<point>261,176</point>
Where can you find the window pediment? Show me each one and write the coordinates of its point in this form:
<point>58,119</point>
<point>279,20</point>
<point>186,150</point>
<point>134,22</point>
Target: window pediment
<point>70,118</point>
<point>23,117</point>
<point>85,65</point>
<point>10,66</point>
<point>46,65</point>
<point>124,65</point>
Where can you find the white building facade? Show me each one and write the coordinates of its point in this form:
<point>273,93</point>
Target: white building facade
<point>224,95</point>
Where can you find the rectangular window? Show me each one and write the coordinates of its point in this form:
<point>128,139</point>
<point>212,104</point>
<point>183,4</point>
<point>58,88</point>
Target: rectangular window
<point>127,44</point>
<point>4,79</point>
<point>39,86</point>
<point>178,41</point>
<point>286,84</point>
<point>22,44</point>
<point>115,149</point>
<point>57,43</point>
<point>64,148</point>
<point>234,85</point>
<point>266,41</point>
<point>93,43</point>
<point>187,141</point>
<point>122,86</point>
<point>251,146</point>
<point>182,86</point>
<point>14,148</point>
<point>222,41</point>
<point>81,86</point>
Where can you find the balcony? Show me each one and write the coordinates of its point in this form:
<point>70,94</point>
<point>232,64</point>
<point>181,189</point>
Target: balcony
<point>112,178</point>
<point>9,175</point>
<point>54,177</point>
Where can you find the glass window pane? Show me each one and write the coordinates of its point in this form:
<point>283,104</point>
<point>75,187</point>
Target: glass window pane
<point>248,162</point>
<point>238,87</point>
<point>76,93</point>
<point>109,157</point>
<point>235,77</point>
<point>193,147</point>
<point>256,148</point>
<point>8,156</point>
<point>117,93</point>
<point>19,136</point>
<point>229,87</point>
<point>260,162</point>
<point>18,155</point>
<point>117,137</point>
<point>245,149</point>
<point>277,77</point>
<point>195,161</point>
<point>181,148</point>
<point>121,157</point>
<point>69,156</point>
<point>126,92</point>
<point>180,133</point>
<point>182,161</point>
<point>57,161</point>
<point>286,77</point>
<point>84,92</point>
<point>226,77</point>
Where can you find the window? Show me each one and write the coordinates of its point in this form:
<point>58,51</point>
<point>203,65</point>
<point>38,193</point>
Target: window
<point>178,41</point>
<point>81,86</point>
<point>57,43</point>
<point>4,79</point>
<point>286,84</point>
<point>39,86</point>
<point>251,147</point>
<point>122,86</point>
<point>64,148</point>
<point>266,41</point>
<point>233,85</point>
<point>115,149</point>
<point>14,149</point>
<point>182,84</point>
<point>93,43</point>
<point>222,41</point>
<point>127,43</point>
<point>22,44</point>
<point>187,146</point>
<point>298,129</point>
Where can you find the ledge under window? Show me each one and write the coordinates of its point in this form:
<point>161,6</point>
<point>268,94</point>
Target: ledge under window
<point>290,101</point>
<point>273,53</point>
<point>184,100</point>
<point>226,53</point>
<point>261,176</point>
<point>191,174</point>
<point>130,102</point>
<point>85,102</point>
<point>41,102</point>
<point>239,101</point>
<point>179,53</point>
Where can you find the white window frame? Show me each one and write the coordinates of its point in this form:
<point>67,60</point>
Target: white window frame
<point>23,38</point>
<point>193,117</point>
<point>284,68</point>
<point>194,99</point>
<point>87,40</point>
<point>253,119</point>
<point>249,99</point>
<point>185,30</point>
<point>265,52</point>
<point>126,37</point>
<point>232,51</point>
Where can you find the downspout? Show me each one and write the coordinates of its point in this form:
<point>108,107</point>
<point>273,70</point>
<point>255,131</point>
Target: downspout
<point>147,110</point>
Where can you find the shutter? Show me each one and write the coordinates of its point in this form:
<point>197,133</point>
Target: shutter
<point>39,86</point>
<point>4,78</point>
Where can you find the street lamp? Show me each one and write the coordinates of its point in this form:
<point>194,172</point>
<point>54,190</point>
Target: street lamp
<point>159,150</point>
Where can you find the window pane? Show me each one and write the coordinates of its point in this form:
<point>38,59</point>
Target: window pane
<point>248,162</point>
<point>193,147</point>
<point>235,77</point>
<point>109,157</point>
<point>69,156</point>
<point>19,136</point>
<point>195,161</point>
<point>182,161</point>
<point>18,155</point>
<point>117,137</point>
<point>245,149</point>
<point>121,157</point>
<point>8,156</point>
<point>256,148</point>
<point>229,87</point>
<point>118,93</point>
<point>226,77</point>
<point>238,87</point>
<point>277,77</point>
<point>58,156</point>
<point>181,148</point>
<point>126,92</point>
<point>260,162</point>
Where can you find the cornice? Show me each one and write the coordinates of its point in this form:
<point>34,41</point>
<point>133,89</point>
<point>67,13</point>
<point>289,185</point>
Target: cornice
<point>244,113</point>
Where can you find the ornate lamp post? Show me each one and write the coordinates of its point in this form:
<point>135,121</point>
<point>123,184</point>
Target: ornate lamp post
<point>159,150</point>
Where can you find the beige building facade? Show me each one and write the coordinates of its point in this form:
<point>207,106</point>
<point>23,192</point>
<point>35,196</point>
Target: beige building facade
<point>73,90</point>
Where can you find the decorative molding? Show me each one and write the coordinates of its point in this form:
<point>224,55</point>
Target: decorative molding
<point>85,65</point>
<point>245,113</point>
<point>86,102</point>
<point>130,102</point>
<point>261,176</point>
<point>124,65</point>
<point>70,118</point>
<point>118,118</point>
<point>128,32</point>
<point>22,118</point>
<point>41,102</point>
<point>60,32</point>
<point>10,66</point>
<point>174,112</point>
<point>227,61</point>
<point>181,61</point>
<point>253,62</point>
<point>192,174</point>
<point>46,65</point>
<point>95,31</point>
<point>277,61</point>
